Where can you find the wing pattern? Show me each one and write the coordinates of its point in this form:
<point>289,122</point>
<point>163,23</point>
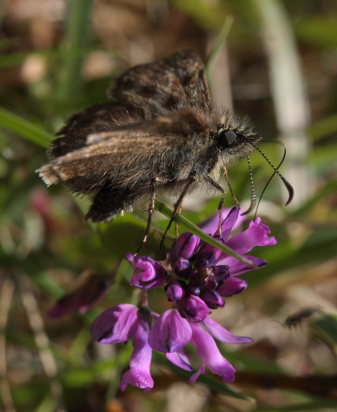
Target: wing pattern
<point>169,84</point>
<point>120,165</point>
<point>114,150</point>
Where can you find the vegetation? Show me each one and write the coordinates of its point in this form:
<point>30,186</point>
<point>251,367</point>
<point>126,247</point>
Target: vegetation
<point>272,60</point>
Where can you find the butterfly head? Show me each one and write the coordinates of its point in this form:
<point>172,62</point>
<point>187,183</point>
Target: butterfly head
<point>235,137</point>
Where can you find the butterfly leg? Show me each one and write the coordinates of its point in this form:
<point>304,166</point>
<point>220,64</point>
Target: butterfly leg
<point>222,200</point>
<point>149,216</point>
<point>177,206</point>
<point>230,187</point>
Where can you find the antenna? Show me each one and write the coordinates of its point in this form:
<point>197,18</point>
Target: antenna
<point>252,189</point>
<point>288,186</point>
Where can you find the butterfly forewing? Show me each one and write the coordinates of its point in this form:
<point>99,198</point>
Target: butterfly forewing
<point>98,118</point>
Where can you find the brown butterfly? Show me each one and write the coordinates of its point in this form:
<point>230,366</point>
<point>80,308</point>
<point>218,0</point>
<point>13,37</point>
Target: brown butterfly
<point>159,135</point>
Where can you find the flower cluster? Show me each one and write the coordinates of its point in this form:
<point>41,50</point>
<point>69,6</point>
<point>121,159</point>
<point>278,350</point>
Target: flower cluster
<point>197,279</point>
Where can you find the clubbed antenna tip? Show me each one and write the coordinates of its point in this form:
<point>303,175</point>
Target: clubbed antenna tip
<point>288,186</point>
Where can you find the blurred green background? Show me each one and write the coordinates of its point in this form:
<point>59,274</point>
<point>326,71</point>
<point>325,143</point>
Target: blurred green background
<point>273,61</point>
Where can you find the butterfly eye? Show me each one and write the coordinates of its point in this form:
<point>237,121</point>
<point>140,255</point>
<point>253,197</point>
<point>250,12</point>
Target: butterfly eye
<point>228,138</point>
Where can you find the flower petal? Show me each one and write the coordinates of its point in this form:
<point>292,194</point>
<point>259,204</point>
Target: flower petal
<point>210,354</point>
<point>211,226</point>
<point>238,268</point>
<point>170,333</point>
<point>179,359</point>
<point>116,324</point>
<point>228,224</point>
<point>209,254</point>
<point>139,373</point>
<point>199,372</point>
<point>222,334</point>
<point>256,235</point>
<point>232,286</point>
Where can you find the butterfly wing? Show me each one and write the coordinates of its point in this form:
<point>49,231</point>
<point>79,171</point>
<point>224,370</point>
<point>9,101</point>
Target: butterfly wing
<point>120,165</point>
<point>141,93</point>
<point>169,84</point>
<point>101,117</point>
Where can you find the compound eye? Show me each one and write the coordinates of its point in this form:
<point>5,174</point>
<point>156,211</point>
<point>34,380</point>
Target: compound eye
<point>229,138</point>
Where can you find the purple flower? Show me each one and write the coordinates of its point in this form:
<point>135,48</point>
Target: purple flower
<point>209,273</point>
<point>210,356</point>
<point>81,300</point>
<point>119,324</point>
<point>257,234</point>
<point>116,324</point>
<point>171,333</point>
<point>193,308</point>
<point>139,373</point>
<point>148,274</point>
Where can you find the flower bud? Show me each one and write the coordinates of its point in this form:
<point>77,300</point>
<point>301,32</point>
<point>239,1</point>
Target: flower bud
<point>186,246</point>
<point>182,266</point>
<point>82,299</point>
<point>193,308</point>
<point>232,286</point>
<point>175,291</point>
<point>221,272</point>
<point>212,299</point>
<point>148,274</point>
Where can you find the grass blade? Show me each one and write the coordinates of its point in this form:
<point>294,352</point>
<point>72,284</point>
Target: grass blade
<point>76,46</point>
<point>24,128</point>
<point>219,42</point>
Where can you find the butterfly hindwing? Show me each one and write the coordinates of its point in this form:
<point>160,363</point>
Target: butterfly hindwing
<point>169,84</point>
<point>123,162</point>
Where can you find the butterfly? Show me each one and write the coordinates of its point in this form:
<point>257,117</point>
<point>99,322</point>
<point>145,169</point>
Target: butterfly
<point>159,136</point>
